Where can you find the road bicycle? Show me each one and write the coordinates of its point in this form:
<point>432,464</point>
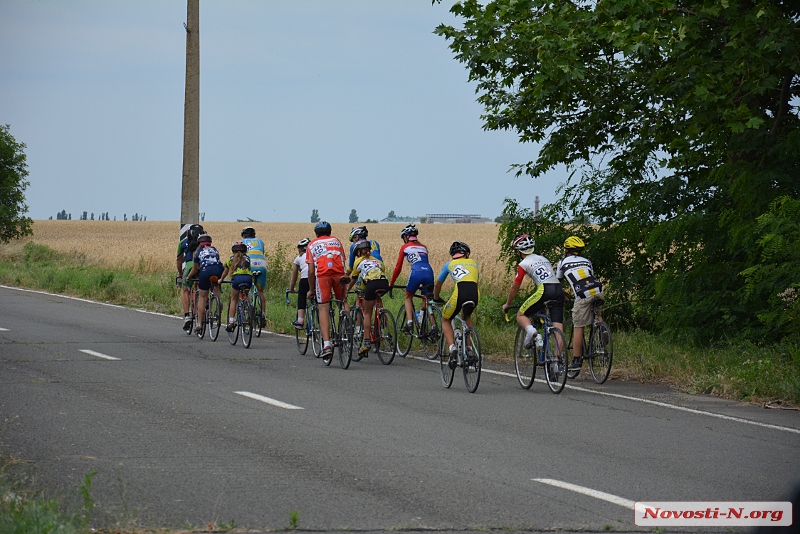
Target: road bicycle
<point>255,304</point>
<point>469,357</point>
<point>382,335</point>
<point>599,351</point>
<point>192,302</point>
<point>309,332</point>
<point>213,311</point>
<point>551,354</point>
<point>426,325</point>
<point>341,333</point>
<point>246,319</point>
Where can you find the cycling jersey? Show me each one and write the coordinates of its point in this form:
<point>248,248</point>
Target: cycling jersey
<point>207,257</point>
<point>302,266</point>
<point>375,252</point>
<point>183,248</point>
<point>460,270</point>
<point>367,268</point>
<point>240,269</point>
<point>258,262</point>
<point>580,274</point>
<point>327,255</point>
<point>538,268</point>
<point>548,287</point>
<point>464,272</point>
<point>415,254</point>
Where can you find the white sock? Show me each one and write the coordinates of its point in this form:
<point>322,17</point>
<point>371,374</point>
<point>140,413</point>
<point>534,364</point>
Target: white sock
<point>231,319</point>
<point>327,344</point>
<point>530,331</point>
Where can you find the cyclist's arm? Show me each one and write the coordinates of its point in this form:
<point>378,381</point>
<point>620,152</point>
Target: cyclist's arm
<point>179,264</point>
<point>514,289</point>
<point>312,277</point>
<point>195,269</point>
<point>293,281</point>
<point>398,267</point>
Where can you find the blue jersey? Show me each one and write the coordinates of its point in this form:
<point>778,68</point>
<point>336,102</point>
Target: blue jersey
<point>375,252</point>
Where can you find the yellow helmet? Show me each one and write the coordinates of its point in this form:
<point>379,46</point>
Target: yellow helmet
<point>574,241</point>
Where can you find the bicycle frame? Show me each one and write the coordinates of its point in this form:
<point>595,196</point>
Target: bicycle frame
<point>427,328</point>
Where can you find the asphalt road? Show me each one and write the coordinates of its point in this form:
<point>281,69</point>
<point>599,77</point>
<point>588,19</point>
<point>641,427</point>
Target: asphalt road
<point>176,442</point>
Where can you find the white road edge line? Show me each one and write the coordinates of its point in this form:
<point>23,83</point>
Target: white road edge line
<point>98,354</point>
<point>273,402</point>
<point>587,491</point>
<point>3,329</point>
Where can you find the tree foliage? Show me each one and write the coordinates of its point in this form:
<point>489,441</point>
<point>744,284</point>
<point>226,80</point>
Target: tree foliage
<point>678,121</point>
<point>314,216</point>
<point>353,216</point>
<point>13,171</point>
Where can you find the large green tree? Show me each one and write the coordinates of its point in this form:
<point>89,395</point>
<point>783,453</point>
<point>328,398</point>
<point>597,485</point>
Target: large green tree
<point>679,123</point>
<point>13,171</point>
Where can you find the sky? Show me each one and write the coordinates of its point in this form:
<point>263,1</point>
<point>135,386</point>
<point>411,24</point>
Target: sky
<point>310,104</point>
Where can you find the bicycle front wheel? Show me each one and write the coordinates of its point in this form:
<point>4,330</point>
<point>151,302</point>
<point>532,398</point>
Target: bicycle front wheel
<point>386,337</point>
<point>247,323</point>
<point>556,362</point>
<point>404,339</point>
<point>524,360</point>
<point>345,335</point>
<point>601,353</point>
<point>258,311</point>
<point>433,331</point>
<point>214,316</point>
<point>445,370</point>
<point>473,360</point>
<point>358,333</point>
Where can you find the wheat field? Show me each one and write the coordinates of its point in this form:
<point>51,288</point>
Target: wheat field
<point>150,246</point>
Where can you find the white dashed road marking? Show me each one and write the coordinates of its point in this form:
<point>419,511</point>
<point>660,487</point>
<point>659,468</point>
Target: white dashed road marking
<point>587,491</point>
<point>98,354</point>
<point>273,402</point>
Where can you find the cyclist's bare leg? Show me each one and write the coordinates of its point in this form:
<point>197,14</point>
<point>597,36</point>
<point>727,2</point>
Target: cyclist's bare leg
<point>560,326</point>
<point>201,304</point>
<point>447,328</point>
<point>325,320</point>
<point>409,307</point>
<point>523,320</point>
<point>577,341</point>
<point>368,305</point>
<point>234,302</point>
<point>186,300</point>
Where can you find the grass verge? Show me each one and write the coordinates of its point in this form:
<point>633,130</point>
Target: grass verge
<point>740,371</point>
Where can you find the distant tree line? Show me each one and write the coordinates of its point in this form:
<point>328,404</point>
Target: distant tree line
<point>86,216</point>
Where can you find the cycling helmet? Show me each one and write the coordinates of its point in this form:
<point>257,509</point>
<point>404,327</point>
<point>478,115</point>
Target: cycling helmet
<point>459,248</point>
<point>523,243</point>
<point>409,231</point>
<point>358,232</point>
<point>239,247</point>
<point>204,239</point>
<point>303,243</point>
<point>574,241</point>
<point>361,245</point>
<point>322,228</point>
<point>248,231</point>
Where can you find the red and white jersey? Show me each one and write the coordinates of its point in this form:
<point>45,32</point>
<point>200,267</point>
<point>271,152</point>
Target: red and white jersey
<point>327,255</point>
<point>538,268</point>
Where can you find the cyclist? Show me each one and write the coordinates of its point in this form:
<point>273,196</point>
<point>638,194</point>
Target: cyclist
<point>367,275</point>
<point>358,234</point>
<point>326,258</point>
<point>548,287</point>
<point>300,268</point>
<point>207,264</point>
<point>184,262</point>
<point>421,272</point>
<point>464,272</point>
<point>255,249</point>
<point>238,266</point>
<point>580,274</point>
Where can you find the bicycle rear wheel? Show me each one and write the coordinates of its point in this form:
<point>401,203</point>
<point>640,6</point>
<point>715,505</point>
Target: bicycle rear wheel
<point>524,360</point>
<point>569,333</point>
<point>358,333</point>
<point>386,337</point>
<point>404,339</point>
<point>556,362</point>
<point>192,312</point>
<point>445,371</point>
<point>247,323</point>
<point>258,311</point>
<point>312,320</point>
<point>473,360</point>
<point>301,336</point>
<point>433,331</point>
<point>214,316</point>
<point>233,335</point>
<point>345,335</point>
<point>601,353</point>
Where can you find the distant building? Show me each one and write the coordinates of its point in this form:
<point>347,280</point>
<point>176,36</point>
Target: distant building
<point>465,218</point>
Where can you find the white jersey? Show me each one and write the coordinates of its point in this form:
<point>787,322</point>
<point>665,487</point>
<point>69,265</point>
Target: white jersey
<point>538,268</point>
<point>300,261</point>
<point>580,274</point>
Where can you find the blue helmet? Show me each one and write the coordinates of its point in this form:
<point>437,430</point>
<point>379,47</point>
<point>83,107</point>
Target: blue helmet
<point>322,228</point>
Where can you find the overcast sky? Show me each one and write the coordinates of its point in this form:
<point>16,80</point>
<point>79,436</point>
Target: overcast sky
<point>328,104</point>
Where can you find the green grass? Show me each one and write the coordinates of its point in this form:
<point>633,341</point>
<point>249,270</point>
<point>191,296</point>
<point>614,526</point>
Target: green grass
<point>738,371</point>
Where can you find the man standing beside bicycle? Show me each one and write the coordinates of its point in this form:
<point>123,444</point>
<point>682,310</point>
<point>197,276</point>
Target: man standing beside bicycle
<point>580,274</point>
<point>325,257</point>
<point>548,287</point>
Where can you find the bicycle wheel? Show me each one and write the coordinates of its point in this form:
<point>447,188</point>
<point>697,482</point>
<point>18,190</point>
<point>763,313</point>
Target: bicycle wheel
<point>430,341</point>
<point>255,304</point>
<point>345,336</point>
<point>202,333</point>
<point>444,367</point>
<point>524,360</point>
<point>301,336</point>
<point>473,360</point>
<point>214,316</point>
<point>601,352</point>
<point>312,320</point>
<point>386,337</point>
<point>358,333</point>
<point>569,333</point>
<point>404,339</point>
<point>192,312</point>
<point>556,362</point>
<point>233,335</point>
<point>247,323</point>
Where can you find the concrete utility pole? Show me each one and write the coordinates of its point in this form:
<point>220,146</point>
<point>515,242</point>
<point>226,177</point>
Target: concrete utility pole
<point>190,190</point>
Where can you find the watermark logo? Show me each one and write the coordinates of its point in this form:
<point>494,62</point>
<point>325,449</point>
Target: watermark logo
<point>732,514</point>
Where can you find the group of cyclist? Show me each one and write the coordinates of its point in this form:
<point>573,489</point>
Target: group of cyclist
<point>322,269</point>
